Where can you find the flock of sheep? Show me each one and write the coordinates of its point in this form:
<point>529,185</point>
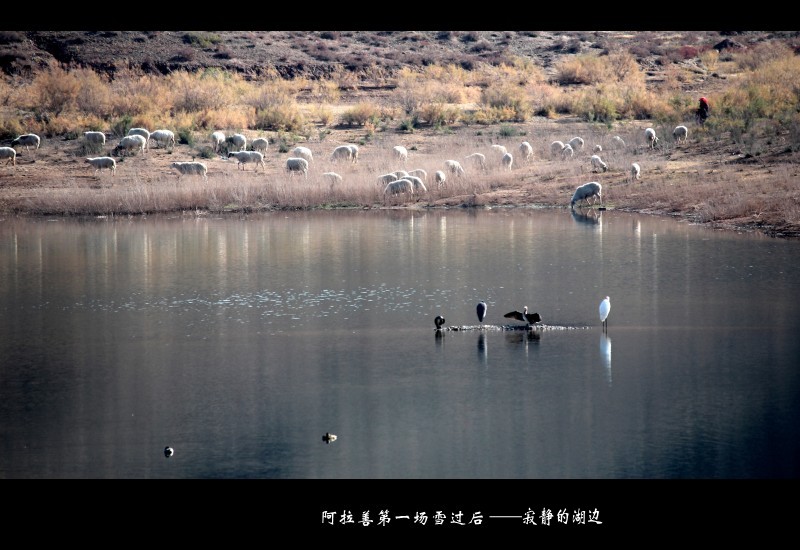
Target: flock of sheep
<point>139,140</point>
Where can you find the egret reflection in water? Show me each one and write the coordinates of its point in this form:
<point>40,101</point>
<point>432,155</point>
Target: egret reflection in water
<point>483,351</point>
<point>605,354</point>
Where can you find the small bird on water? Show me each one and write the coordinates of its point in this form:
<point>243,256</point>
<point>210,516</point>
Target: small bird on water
<point>328,437</point>
<point>168,452</point>
<point>439,322</point>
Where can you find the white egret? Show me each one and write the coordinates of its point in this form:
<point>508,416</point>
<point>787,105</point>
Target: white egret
<point>605,308</point>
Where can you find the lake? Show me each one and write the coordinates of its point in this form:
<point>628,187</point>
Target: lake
<point>240,340</point>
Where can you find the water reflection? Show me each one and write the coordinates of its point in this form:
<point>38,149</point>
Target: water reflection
<point>605,354</point>
<point>483,348</point>
<point>587,216</point>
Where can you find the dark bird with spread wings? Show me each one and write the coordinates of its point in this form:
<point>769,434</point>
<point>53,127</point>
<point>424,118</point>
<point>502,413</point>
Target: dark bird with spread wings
<point>524,316</point>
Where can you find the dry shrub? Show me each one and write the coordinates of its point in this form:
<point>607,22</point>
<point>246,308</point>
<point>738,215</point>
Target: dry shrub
<point>54,90</point>
<point>229,117</point>
<point>761,54</point>
<point>322,113</point>
<point>134,93</point>
<point>581,69</point>
<point>94,94</point>
<point>438,114</point>
<point>710,59</point>
<point>193,92</point>
<point>325,91</point>
<point>283,117</point>
<point>507,100</point>
<point>360,113</point>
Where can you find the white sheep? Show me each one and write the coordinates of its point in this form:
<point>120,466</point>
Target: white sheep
<point>344,152</point>
<point>297,164</point>
<point>95,138</point>
<point>525,151</point>
<point>27,140</point>
<point>576,143</point>
<point>587,191</point>
<point>387,178</point>
<point>354,150</point>
<point>417,184</point>
<point>247,157</point>
<point>454,167</point>
<point>477,159</point>
<point>191,169</point>
<point>598,148</point>
<point>129,144</point>
<point>239,141</point>
<point>508,161</point>
<point>500,149</point>
<point>303,152</point>
<point>680,133</point>
<point>618,142</point>
<point>440,178</point>
<point>636,170</point>
<point>10,154</point>
<point>333,177</point>
<point>650,137</point>
<point>420,173</point>
<point>556,147</point>
<point>400,153</point>
<point>401,174</point>
<point>98,163</point>
<point>260,144</point>
<point>165,138</point>
<point>567,151</point>
<point>144,132</point>
<point>598,164</point>
<point>217,139</point>
<point>398,187</point>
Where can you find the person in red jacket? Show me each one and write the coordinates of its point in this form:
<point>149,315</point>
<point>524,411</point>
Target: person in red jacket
<point>702,111</point>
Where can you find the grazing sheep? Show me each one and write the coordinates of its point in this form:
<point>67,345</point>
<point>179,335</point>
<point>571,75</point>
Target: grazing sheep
<point>598,164</point>
<point>585,192</point>
<point>598,148</point>
<point>525,151</point>
<point>165,138</point>
<point>260,144</point>
<point>650,137</point>
<point>440,178</point>
<point>454,167</point>
<point>297,164</point>
<point>133,143</point>
<point>345,152</point>
<point>567,151</point>
<point>680,133</point>
<point>417,184</point>
<point>191,169</point>
<point>576,143</point>
<point>401,174</point>
<point>508,161</point>
<point>303,152</point>
<point>477,159</point>
<point>333,177</point>
<point>95,138</point>
<point>217,139</point>
<point>635,171</point>
<point>400,153</point>
<point>618,142</point>
<point>398,187</point>
<point>556,147</point>
<point>246,157</point>
<point>28,140</point>
<point>501,150</point>
<point>387,178</point>
<point>8,153</point>
<point>239,141</point>
<point>103,162</point>
<point>144,132</point>
<point>420,173</point>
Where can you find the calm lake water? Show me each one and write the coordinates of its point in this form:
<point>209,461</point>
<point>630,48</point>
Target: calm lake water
<point>239,341</point>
